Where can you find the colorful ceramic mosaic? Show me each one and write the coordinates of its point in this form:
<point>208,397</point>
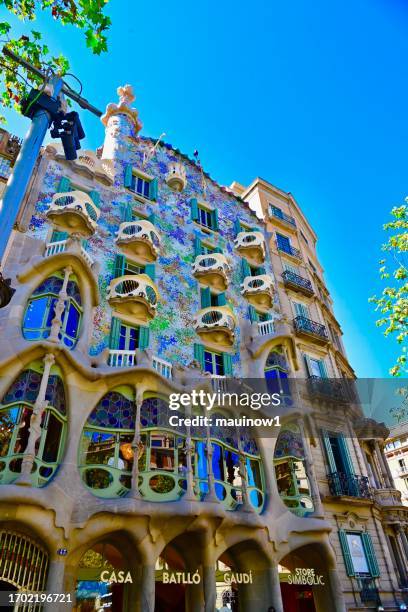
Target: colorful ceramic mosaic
<point>171,331</point>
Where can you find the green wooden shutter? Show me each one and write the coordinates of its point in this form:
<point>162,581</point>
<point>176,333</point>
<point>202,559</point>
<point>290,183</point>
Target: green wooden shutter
<point>114,333</point>
<point>218,250</point>
<point>348,561</point>
<point>64,185</point>
<point>119,266</point>
<point>237,226</point>
<point>322,368</point>
<point>222,299</point>
<point>345,452</point>
<point>150,270</point>
<point>370,555</point>
<point>144,335</point>
<point>308,366</point>
<point>261,270</point>
<point>95,197</point>
<point>197,246</point>
<point>329,451</point>
<point>128,176</point>
<point>153,189</point>
<point>199,354</point>
<point>194,209</point>
<point>227,361</point>
<point>126,213</point>
<point>253,315</point>
<point>245,269</point>
<point>215,224</point>
<point>205,295</point>
<point>152,218</point>
<point>58,236</point>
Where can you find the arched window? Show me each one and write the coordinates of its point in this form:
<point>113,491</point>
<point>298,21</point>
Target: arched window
<point>40,311</point>
<point>290,471</point>
<point>15,415</point>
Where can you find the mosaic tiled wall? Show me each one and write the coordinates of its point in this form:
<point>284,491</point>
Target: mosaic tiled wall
<point>172,334</point>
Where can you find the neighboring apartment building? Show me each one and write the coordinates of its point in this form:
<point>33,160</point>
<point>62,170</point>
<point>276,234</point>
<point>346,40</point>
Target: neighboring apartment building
<point>136,276</point>
<point>396,453</point>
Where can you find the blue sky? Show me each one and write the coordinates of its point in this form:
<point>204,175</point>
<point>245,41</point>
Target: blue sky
<point>310,96</point>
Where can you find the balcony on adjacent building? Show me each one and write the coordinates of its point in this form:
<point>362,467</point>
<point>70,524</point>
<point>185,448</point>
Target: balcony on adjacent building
<point>74,212</point>
<point>388,497</point>
<point>291,280</point>
<point>349,485</point>
<point>337,390</point>
<point>139,239</point>
<point>216,324</point>
<point>282,217</point>
<point>259,291</point>
<point>312,329</point>
<point>251,245</point>
<point>134,295</point>
<point>176,176</point>
<point>290,250</point>
<point>369,593</point>
<point>212,270</point>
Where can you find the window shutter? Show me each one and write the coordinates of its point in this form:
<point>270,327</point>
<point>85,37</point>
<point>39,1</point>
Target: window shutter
<point>370,555</point>
<point>126,213</point>
<point>345,452</point>
<point>348,561</point>
<point>261,270</point>
<point>58,236</point>
<point>194,209</point>
<point>144,334</point>
<point>64,185</point>
<point>205,297</point>
<point>218,250</point>
<point>128,176</point>
<point>227,360</point>
<point>197,246</point>
<point>199,354</point>
<point>153,189</point>
<point>150,270</point>
<point>253,315</point>
<point>114,333</point>
<point>322,368</point>
<point>329,451</point>
<point>152,218</point>
<point>245,269</point>
<point>307,365</point>
<point>119,266</point>
<point>237,226</point>
<point>95,197</point>
<point>215,220</point>
<point>222,299</point>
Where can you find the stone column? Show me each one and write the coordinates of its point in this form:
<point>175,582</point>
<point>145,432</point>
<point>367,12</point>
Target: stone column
<point>189,449</point>
<point>309,465</point>
<point>60,307</point>
<point>56,584</point>
<point>404,540</point>
<point>274,588</point>
<point>147,591</point>
<point>209,588</point>
<point>35,424</point>
<point>246,504</point>
<point>137,445</point>
<point>337,597</point>
<point>381,461</point>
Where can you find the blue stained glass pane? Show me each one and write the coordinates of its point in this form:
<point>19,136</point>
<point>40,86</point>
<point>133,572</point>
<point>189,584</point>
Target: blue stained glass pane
<point>73,292</point>
<point>35,313</point>
<point>217,462</point>
<point>51,311</point>
<point>26,386</point>
<point>113,411</point>
<point>55,393</point>
<point>53,284</point>
<point>72,324</point>
<point>201,460</point>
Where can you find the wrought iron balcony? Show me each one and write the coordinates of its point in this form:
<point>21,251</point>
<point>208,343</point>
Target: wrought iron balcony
<point>176,176</point>
<point>135,295</point>
<point>251,245</point>
<point>288,249</point>
<point>259,290</point>
<point>338,390</point>
<point>139,238</point>
<point>307,327</point>
<point>351,485</point>
<point>282,216</point>
<point>216,324</point>
<point>212,270</point>
<point>297,282</point>
<point>369,592</point>
<point>74,211</point>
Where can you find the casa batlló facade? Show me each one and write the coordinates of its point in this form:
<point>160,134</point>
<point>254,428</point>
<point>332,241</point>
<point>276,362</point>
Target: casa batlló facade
<point>137,276</point>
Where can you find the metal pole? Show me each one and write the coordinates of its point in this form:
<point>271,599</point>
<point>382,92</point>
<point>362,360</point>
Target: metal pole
<point>18,181</point>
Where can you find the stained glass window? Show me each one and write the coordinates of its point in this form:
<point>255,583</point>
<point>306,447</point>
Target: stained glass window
<point>114,411</point>
<point>24,388</point>
<point>154,412</point>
